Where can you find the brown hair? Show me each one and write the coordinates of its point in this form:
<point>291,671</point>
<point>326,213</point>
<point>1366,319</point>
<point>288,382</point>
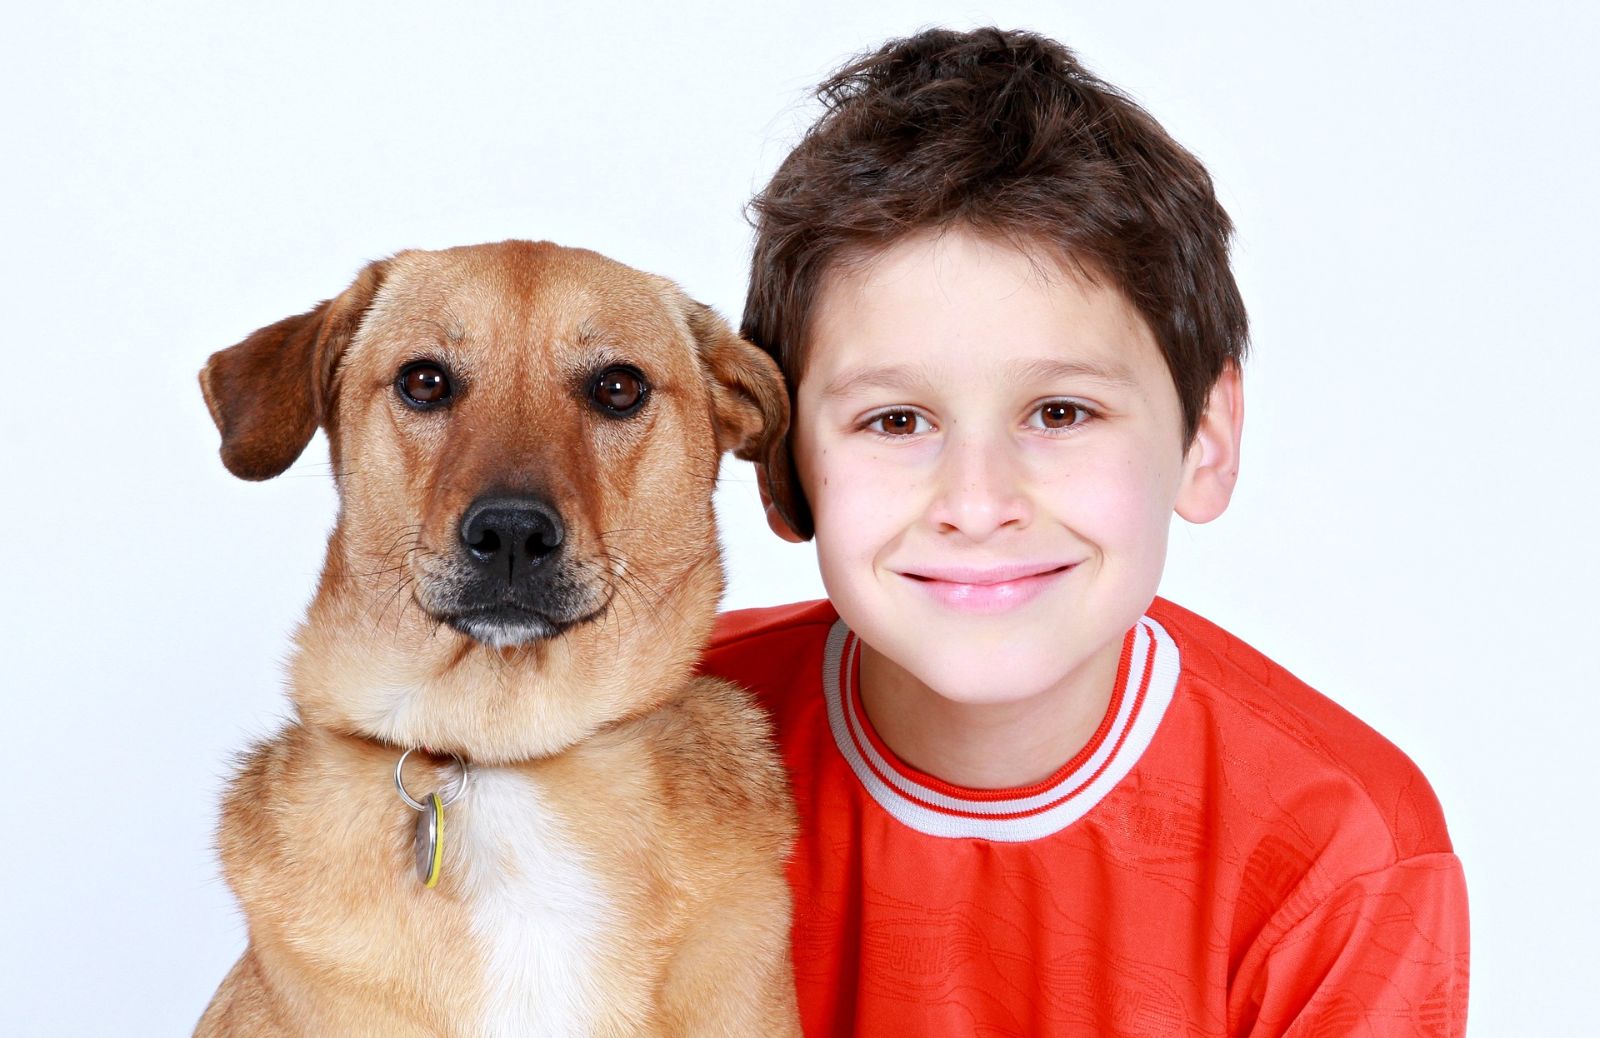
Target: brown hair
<point>1007,133</point>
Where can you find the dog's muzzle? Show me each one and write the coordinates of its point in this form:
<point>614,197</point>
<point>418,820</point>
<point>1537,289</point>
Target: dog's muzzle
<point>516,581</point>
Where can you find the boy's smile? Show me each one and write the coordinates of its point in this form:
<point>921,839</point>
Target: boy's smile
<point>992,448</point>
<point>993,589</point>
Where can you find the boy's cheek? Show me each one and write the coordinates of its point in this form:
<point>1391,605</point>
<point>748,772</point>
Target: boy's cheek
<point>1122,508</point>
<point>852,483</point>
<point>851,511</point>
<point>1125,490</point>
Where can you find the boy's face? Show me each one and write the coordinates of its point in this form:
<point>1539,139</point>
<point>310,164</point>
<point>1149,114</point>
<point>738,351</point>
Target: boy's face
<point>993,449</point>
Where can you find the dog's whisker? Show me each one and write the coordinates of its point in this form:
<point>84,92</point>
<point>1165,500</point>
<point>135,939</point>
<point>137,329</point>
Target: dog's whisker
<point>387,570</point>
<point>397,557</point>
<point>404,581</point>
<point>404,597</point>
<point>388,600</point>
<point>643,590</point>
<point>617,588</point>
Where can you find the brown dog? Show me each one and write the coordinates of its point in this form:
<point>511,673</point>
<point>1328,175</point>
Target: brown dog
<point>524,571</point>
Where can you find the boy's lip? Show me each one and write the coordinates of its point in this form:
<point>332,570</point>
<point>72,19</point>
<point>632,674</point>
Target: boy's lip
<point>983,575</point>
<point>985,589</point>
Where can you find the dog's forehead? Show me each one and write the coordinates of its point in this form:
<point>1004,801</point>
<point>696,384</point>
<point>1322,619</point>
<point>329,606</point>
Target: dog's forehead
<point>525,290</point>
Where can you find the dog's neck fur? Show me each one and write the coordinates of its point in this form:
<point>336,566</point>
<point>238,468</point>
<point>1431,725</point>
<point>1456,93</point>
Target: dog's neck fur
<point>412,682</point>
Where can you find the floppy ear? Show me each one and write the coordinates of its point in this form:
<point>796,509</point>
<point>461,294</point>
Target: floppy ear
<point>269,393</point>
<point>751,407</point>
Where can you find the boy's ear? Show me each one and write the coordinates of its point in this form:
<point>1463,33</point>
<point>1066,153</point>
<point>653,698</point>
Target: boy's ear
<point>750,405</point>
<point>269,393</point>
<point>1211,464</point>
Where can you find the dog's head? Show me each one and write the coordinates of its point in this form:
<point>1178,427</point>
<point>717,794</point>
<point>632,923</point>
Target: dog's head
<point>525,440</point>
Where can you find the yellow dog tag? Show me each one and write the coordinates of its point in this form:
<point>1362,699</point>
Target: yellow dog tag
<point>430,840</point>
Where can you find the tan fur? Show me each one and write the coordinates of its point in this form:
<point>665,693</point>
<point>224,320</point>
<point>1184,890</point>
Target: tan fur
<point>662,784</point>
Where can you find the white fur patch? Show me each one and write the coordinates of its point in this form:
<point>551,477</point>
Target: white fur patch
<point>538,909</point>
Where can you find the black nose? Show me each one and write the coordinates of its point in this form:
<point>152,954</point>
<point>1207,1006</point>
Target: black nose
<point>508,532</point>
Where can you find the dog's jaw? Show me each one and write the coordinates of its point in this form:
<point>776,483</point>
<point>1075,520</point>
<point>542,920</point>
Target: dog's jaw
<point>513,628</point>
<point>496,633</point>
<point>413,680</point>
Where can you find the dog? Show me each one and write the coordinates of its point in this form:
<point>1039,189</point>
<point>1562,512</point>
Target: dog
<point>584,838</point>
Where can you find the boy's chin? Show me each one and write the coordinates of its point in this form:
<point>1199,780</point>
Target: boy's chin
<point>1000,682</point>
<point>1019,672</point>
<point>993,690</point>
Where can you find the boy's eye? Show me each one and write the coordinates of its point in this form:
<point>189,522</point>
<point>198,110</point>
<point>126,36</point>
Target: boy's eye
<point>898,423</point>
<point>1059,414</point>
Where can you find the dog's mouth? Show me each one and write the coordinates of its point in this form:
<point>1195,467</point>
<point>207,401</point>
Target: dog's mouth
<point>544,603</point>
<point>504,626</point>
<point>508,625</point>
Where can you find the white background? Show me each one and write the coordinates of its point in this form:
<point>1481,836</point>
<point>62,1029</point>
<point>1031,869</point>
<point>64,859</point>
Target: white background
<point>1413,534</point>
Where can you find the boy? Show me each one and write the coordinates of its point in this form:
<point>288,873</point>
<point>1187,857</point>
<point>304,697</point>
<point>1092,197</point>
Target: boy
<point>1035,799</point>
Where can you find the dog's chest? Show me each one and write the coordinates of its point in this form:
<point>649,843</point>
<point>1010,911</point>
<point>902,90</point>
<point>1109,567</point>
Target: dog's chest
<point>538,909</point>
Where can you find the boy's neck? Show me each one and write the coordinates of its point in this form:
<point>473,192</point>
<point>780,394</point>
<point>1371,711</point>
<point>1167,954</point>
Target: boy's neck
<point>998,745</point>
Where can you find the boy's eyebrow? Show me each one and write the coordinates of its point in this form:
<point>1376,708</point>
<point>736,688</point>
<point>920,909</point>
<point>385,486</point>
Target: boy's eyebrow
<point>1045,369</point>
<point>1050,369</point>
<point>890,376</point>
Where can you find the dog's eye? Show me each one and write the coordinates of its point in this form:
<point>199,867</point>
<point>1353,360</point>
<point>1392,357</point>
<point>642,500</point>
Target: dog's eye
<point>423,384</point>
<point>619,391</point>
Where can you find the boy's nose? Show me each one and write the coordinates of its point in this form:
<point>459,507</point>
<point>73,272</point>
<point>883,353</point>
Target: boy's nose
<point>982,489</point>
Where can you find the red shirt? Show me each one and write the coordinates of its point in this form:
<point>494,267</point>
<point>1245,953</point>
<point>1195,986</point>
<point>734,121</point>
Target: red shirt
<point>1231,854</point>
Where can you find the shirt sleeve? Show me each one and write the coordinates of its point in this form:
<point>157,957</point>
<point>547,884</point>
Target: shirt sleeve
<point>1384,954</point>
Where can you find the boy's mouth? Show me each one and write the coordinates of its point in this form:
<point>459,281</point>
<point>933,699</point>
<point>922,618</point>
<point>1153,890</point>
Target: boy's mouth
<point>993,589</point>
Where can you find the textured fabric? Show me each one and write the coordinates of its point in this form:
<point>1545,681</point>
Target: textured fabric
<point>1231,854</point>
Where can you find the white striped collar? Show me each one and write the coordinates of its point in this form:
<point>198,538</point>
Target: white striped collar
<point>1149,671</point>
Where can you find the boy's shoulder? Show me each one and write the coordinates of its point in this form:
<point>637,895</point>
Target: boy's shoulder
<point>1269,721</point>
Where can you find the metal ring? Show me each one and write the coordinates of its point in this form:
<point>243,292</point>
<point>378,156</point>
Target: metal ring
<point>445,799</point>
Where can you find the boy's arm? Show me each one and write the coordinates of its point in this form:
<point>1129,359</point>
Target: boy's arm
<point>1384,954</point>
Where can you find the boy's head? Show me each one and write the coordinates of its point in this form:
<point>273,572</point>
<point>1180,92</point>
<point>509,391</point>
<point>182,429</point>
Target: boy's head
<point>1008,135</point>
<point>1001,296</point>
